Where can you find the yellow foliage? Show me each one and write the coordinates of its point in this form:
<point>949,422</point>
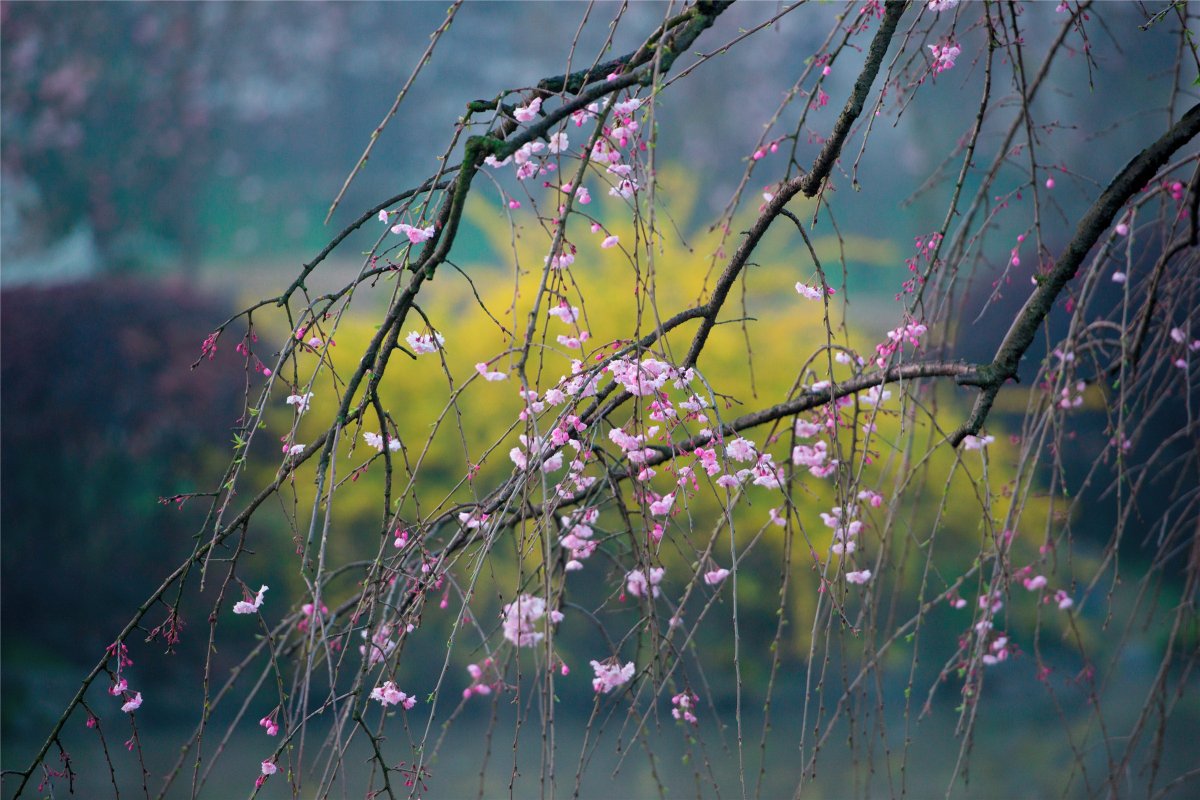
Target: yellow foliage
<point>770,340</point>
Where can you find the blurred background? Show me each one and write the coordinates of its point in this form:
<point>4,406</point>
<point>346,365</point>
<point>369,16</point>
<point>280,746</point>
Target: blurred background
<point>166,163</point>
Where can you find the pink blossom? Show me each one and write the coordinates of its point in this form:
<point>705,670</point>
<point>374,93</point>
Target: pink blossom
<point>583,196</point>
<point>118,687</point>
<point>713,577</point>
<point>422,343</point>
<point>610,676</point>
<point>270,725</point>
<point>1035,583</point>
<point>741,449</point>
<point>558,143</point>
<point>389,695</point>
<point>874,499</point>
<point>638,583</point>
<point>1119,277</point>
<point>991,602</point>
<point>610,241</point>
<point>684,702</point>
<point>482,369</point>
<point>875,395</point>
<point>375,440</point>
<point>300,401</point>
<point>627,107</point>
<point>1122,229</point>
<point>249,606</point>
<point>1063,599</point>
<point>861,576</point>
<point>662,506</point>
<point>529,112</point>
<point>566,313</point>
<point>944,56</point>
<point>415,235</point>
<point>942,5</point>
<point>519,617</point>
<point>806,430</point>
<point>269,768</point>
<point>808,292</point>
<point>133,704</point>
<point>625,189</point>
<point>970,442</point>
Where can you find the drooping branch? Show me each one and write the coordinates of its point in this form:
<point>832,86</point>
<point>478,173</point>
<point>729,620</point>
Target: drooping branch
<point>854,104</point>
<point>808,184</point>
<point>1130,180</point>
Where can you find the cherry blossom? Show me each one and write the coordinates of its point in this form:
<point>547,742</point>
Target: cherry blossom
<point>875,395</point>
<point>250,606</point>
<point>270,725</point>
<point>741,450</point>
<point>810,292</point>
<point>610,676</point>
<point>610,241</point>
<point>683,704</point>
<point>415,235</point>
<point>519,617</point>
<point>529,112</point>
<point>626,107</point>
<point>482,369</point>
<point>375,440</point>
<point>662,506</point>
<point>133,704</point>
<point>860,576</point>
<point>558,143</point>
<point>976,442</point>
<point>422,343</point>
<point>389,695</point>
<point>638,583</point>
<point>716,576</point>
<point>566,313</point>
<point>873,499</point>
<point>300,401</point>
<point>806,430</point>
<point>269,768</point>
<point>943,59</point>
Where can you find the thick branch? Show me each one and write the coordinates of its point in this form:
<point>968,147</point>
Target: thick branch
<point>858,98</point>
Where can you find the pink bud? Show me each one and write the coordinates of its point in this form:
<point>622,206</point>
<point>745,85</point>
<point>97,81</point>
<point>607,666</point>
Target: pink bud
<point>1049,183</point>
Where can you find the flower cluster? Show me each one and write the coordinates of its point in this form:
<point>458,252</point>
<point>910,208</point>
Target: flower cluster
<point>519,618</point>
<point>684,704</point>
<point>421,343</point>
<point>389,695</point>
<point>610,676</point>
